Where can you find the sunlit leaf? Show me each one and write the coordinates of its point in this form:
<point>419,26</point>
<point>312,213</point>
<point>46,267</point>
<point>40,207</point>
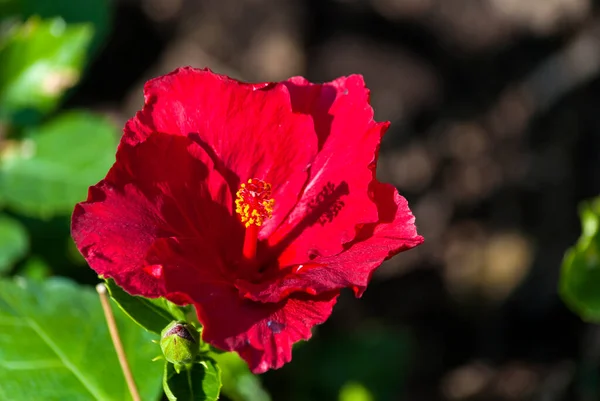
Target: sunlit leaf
<point>96,12</point>
<point>580,278</point>
<point>353,391</point>
<point>40,61</point>
<point>54,345</point>
<point>35,268</point>
<point>239,384</point>
<point>13,242</point>
<point>200,383</point>
<point>153,314</point>
<point>52,168</point>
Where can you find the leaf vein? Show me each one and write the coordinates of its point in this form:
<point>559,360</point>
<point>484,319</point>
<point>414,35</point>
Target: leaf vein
<point>94,391</point>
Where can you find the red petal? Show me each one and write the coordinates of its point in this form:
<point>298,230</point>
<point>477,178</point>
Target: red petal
<point>163,187</point>
<point>394,233</point>
<point>113,230</point>
<point>177,173</point>
<point>250,129</point>
<point>191,267</point>
<point>336,198</point>
<point>263,334</point>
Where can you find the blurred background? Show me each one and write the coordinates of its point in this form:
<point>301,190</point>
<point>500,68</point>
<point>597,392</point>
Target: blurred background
<point>495,140</point>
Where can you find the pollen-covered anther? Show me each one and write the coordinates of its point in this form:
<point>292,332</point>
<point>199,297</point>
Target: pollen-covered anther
<point>253,202</point>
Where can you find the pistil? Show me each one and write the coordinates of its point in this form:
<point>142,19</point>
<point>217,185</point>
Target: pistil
<point>250,242</point>
<point>254,205</point>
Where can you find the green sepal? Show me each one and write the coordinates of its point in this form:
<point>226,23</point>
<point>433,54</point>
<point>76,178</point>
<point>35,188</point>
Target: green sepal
<point>180,344</point>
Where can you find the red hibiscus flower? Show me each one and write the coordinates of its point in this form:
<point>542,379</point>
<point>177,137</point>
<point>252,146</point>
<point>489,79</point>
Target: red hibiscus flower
<point>257,203</point>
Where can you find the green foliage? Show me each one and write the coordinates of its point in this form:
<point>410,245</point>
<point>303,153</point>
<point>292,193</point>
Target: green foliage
<point>35,268</point>
<point>239,384</point>
<point>153,314</point>
<point>353,391</point>
<point>14,242</point>
<point>158,315</point>
<point>8,8</point>
<point>51,169</point>
<point>347,360</point>
<point>580,278</point>
<point>55,346</point>
<point>40,60</point>
<point>202,382</point>
<point>95,12</point>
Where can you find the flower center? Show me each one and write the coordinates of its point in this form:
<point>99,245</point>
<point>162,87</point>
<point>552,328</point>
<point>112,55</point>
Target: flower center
<point>254,205</point>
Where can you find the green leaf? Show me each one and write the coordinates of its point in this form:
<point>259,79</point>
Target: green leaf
<point>326,367</point>
<point>239,384</point>
<point>580,278</point>
<point>153,314</point>
<point>200,383</point>
<point>35,268</point>
<point>96,12</point>
<point>51,170</point>
<point>14,242</point>
<point>353,391</point>
<point>55,345</point>
<point>40,60</point>
<point>8,8</point>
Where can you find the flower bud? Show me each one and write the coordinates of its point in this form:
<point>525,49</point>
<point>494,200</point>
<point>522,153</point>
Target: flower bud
<point>180,344</point>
